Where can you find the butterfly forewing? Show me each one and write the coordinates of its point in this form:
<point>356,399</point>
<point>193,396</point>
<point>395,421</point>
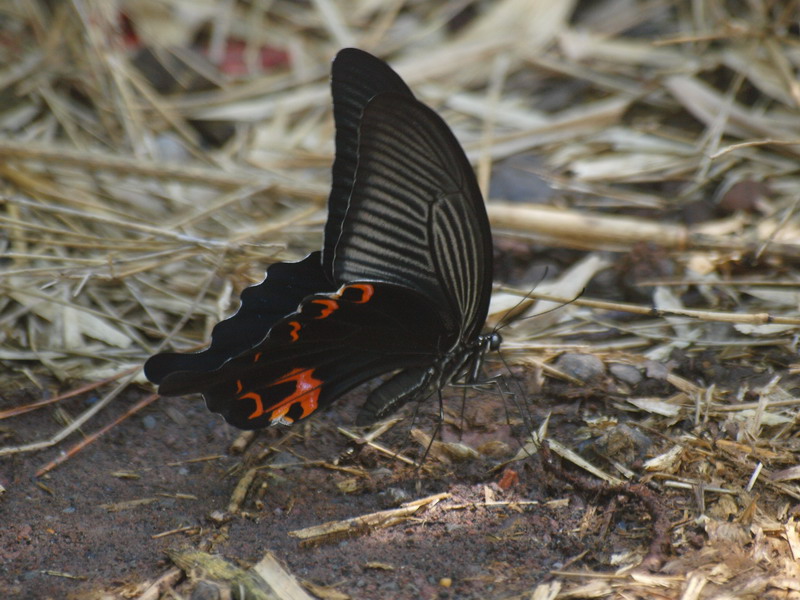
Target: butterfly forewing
<point>465,262</point>
<point>416,216</point>
<point>356,78</point>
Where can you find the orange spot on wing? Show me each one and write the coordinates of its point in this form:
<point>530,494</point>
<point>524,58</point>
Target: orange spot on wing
<point>306,394</point>
<point>366,292</point>
<point>257,357</point>
<point>330,306</point>
<point>239,386</point>
<point>259,404</point>
<point>295,328</point>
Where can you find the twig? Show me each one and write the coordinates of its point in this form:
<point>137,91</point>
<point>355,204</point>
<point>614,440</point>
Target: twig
<point>380,448</point>
<point>91,438</point>
<point>660,544</point>
<point>335,530</point>
<point>638,309</point>
<point>19,410</point>
<point>72,427</point>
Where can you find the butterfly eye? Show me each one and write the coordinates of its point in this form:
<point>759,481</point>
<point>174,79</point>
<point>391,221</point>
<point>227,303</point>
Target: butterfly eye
<point>495,340</point>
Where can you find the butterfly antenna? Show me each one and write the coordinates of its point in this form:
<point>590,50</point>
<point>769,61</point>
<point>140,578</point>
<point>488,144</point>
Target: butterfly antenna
<point>505,321</point>
<point>462,425</point>
<point>507,318</point>
<point>420,463</point>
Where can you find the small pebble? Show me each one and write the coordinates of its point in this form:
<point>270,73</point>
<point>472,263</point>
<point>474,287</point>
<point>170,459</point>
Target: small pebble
<point>585,367</point>
<point>283,458</point>
<point>396,496</point>
<point>219,517</point>
<point>657,370</point>
<point>626,373</point>
<point>170,149</point>
<point>381,472</point>
<point>206,590</point>
<point>624,444</point>
<point>445,582</point>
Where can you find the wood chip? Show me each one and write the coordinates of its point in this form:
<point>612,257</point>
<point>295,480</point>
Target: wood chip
<point>335,530</point>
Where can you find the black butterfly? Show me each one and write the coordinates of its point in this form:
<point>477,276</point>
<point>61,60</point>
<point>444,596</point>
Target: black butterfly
<point>402,282</point>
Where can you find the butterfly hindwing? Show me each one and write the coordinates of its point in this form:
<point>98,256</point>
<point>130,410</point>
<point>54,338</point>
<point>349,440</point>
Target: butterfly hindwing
<point>263,305</point>
<point>333,343</point>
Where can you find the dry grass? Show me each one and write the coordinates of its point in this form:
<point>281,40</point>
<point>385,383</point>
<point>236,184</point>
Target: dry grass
<point>669,132</point>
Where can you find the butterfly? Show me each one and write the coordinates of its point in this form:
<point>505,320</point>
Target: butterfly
<point>401,285</point>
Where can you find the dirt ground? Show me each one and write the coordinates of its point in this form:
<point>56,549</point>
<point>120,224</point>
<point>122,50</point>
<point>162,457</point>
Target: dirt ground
<point>94,523</point>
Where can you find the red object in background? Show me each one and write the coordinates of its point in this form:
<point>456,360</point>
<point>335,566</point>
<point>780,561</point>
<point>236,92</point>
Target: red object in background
<point>508,479</point>
<point>129,35</point>
<point>234,62</point>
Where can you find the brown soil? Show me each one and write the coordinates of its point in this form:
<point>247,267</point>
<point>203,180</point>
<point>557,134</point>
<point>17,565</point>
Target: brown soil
<point>71,533</point>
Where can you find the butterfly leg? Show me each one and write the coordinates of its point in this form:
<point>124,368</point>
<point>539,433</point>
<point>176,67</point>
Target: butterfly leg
<point>462,425</point>
<point>436,431</point>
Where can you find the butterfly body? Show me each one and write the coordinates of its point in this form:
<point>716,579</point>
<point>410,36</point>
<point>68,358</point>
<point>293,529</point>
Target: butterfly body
<point>402,282</point>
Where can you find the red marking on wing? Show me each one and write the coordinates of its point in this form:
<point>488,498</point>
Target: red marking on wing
<point>259,403</point>
<point>307,388</point>
<point>250,396</point>
<point>330,306</point>
<point>366,292</point>
<point>306,394</point>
